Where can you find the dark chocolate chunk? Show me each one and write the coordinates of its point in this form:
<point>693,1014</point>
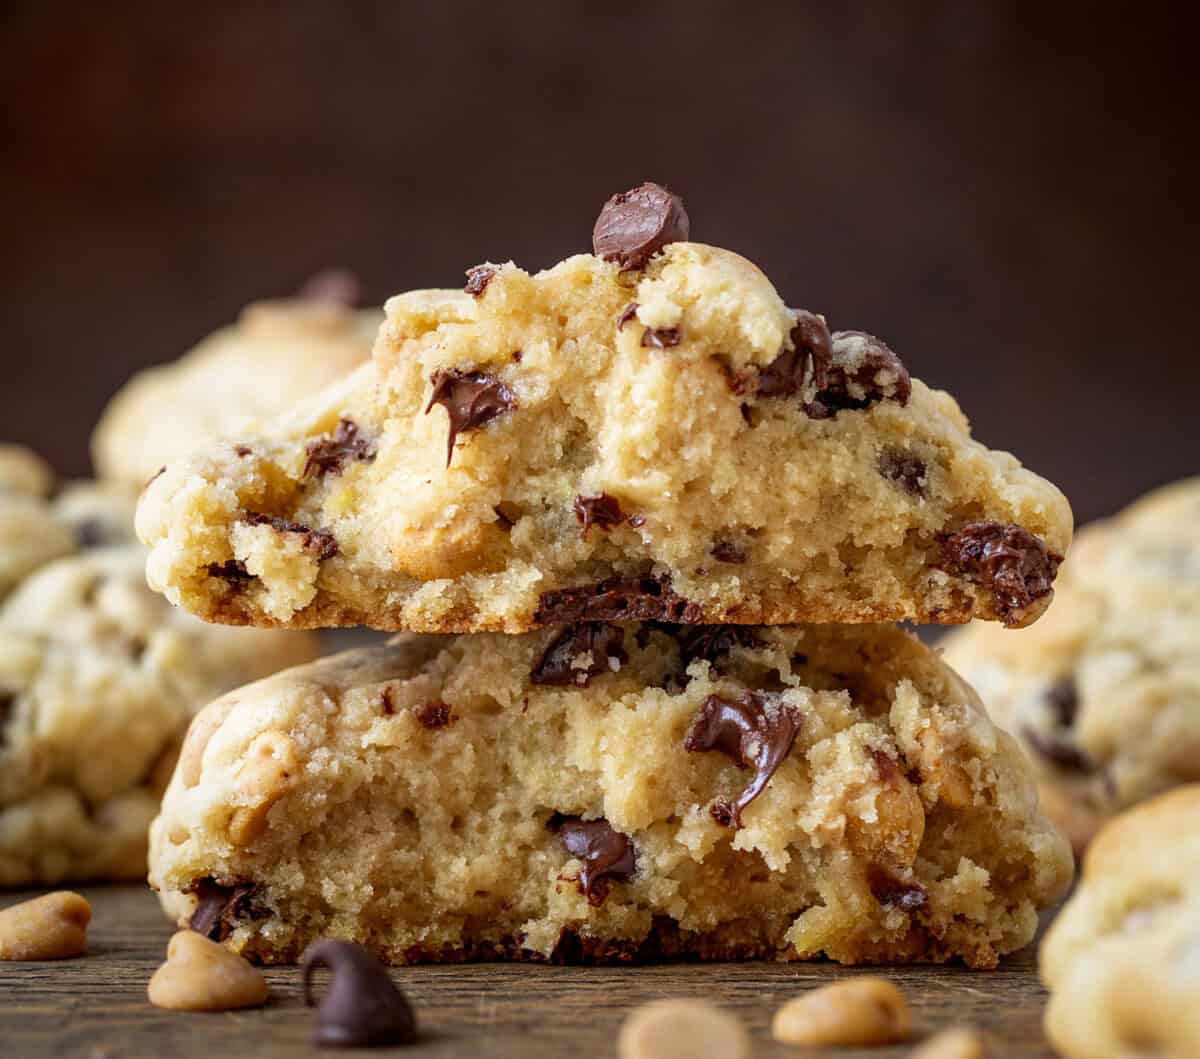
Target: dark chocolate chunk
<point>1059,749</point>
<point>232,570</point>
<point>712,642</point>
<point>727,552</point>
<point>1007,559</point>
<point>628,314</point>
<point>903,468</point>
<point>757,731</point>
<point>362,1008</point>
<point>338,286</point>
<point>603,641</point>
<point>606,854</point>
<point>8,703</point>
<point>600,510</point>
<point>478,278</point>
<point>663,338</point>
<point>471,399</point>
<point>617,599</point>
<point>895,893</point>
<point>434,714</point>
<point>320,543</point>
<point>220,905</point>
<point>1063,699</point>
<point>879,375</point>
<point>241,450</point>
<point>387,701</point>
<point>328,455</point>
<point>636,224</point>
<point>811,351</point>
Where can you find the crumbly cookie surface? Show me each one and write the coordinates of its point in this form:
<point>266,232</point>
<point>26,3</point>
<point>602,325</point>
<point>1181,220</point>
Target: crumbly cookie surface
<point>1122,960</point>
<point>603,442</point>
<point>32,531</point>
<point>98,678</point>
<point>611,792</point>
<point>1105,691</point>
<point>277,353</point>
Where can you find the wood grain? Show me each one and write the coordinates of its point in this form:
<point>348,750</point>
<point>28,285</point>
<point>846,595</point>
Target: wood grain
<point>95,1006</point>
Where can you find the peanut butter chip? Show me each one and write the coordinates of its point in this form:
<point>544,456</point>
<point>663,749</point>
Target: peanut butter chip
<point>856,1012</point>
<point>201,975</point>
<point>50,927</point>
<point>682,1029</point>
<point>959,1042</point>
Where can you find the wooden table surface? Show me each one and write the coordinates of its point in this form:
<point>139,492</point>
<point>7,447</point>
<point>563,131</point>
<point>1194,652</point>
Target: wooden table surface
<point>95,1006</point>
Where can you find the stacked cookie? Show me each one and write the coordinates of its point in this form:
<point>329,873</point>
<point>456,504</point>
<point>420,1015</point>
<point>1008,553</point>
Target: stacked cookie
<point>622,483</point>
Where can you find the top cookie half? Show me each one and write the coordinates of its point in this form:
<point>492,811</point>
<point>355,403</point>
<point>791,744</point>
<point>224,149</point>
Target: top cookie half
<point>644,433</point>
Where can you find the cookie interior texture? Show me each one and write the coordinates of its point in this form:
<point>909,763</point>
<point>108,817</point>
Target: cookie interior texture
<point>593,442</point>
<point>276,353</point>
<point>1105,691</point>
<point>1122,960</point>
<point>575,795</point>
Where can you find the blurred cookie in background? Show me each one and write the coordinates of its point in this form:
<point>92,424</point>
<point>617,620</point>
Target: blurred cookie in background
<point>277,352</point>
<point>1104,692</point>
<point>30,532</point>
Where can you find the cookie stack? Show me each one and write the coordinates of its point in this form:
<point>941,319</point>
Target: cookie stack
<point>669,520</point>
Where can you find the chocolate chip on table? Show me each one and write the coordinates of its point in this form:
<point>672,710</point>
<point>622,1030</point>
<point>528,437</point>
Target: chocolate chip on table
<point>330,454</point>
<point>471,399</point>
<point>903,468</point>
<point>50,927</point>
<point>877,374</point>
<point>756,730</point>
<point>628,314</point>
<point>661,338</point>
<point>1006,559</point>
<point>603,642</point>
<point>220,905</point>
<point>602,510</point>
<point>362,1007</point>
<point>811,351</point>
<point>200,975</point>
<point>606,854</point>
<point>617,599</point>
<point>636,224</point>
<point>320,543</point>
<point>435,714</point>
<point>478,278</point>
<point>895,893</point>
<point>337,286</point>
<point>232,570</point>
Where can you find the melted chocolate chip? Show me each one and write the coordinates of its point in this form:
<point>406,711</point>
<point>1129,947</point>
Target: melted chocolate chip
<point>606,854</point>
<point>904,469</point>
<point>617,599</point>
<point>362,1008</point>
<point>1006,559</point>
<point>604,642</point>
<point>727,552</point>
<point>895,893</point>
<point>811,346</point>
<point>601,510</point>
<point>220,905</point>
<point>1063,699</point>
<point>663,338</point>
<point>629,313</point>
<point>757,731</point>
<point>471,399</point>
<point>328,455</point>
<point>478,278</point>
<point>877,375</point>
<point>636,224</point>
<point>434,714</point>
<point>1059,749</point>
<point>320,543</point>
<point>711,642</point>
<point>232,570</point>
<point>337,286</point>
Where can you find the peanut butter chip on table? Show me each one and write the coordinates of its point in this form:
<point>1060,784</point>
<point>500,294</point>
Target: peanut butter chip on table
<point>682,1029</point>
<point>856,1012</point>
<point>50,927</point>
<point>958,1042</point>
<point>201,975</point>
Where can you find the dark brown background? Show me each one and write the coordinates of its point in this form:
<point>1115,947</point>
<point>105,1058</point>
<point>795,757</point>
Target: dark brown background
<point>1008,198</point>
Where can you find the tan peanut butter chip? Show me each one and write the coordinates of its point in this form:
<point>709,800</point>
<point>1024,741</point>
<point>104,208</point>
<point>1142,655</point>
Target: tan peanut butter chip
<point>859,1011</point>
<point>50,927</point>
<point>682,1029</point>
<point>201,975</point>
<point>958,1042</point>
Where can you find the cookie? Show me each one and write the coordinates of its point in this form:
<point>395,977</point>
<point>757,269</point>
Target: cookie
<point>277,352</point>
<point>99,513</point>
<point>1105,691</point>
<point>1122,960</point>
<point>98,678</point>
<point>623,437</point>
<point>31,534</point>
<point>24,472</point>
<point>611,792</point>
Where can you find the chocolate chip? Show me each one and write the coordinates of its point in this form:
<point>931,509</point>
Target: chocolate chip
<point>220,905</point>
<point>629,313</point>
<point>387,701</point>
<point>337,286</point>
<point>93,533</point>
<point>895,893</point>
<point>1063,699</point>
<point>328,455</point>
<point>232,570</point>
<point>241,450</point>
<point>605,643</point>
<point>617,599</point>
<point>663,338</point>
<point>320,543</point>
<point>606,854</point>
<point>478,278</point>
<point>727,552</point>
<point>1059,749</point>
<point>636,224</point>
<point>471,399</point>
<point>362,1008</point>
<point>904,469</point>
<point>1006,559</point>
<point>757,731</point>
<point>517,356</point>
<point>434,714</point>
<point>602,510</point>
<point>8,704</point>
<point>863,371</point>
<point>811,351</point>
<point>711,642</point>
